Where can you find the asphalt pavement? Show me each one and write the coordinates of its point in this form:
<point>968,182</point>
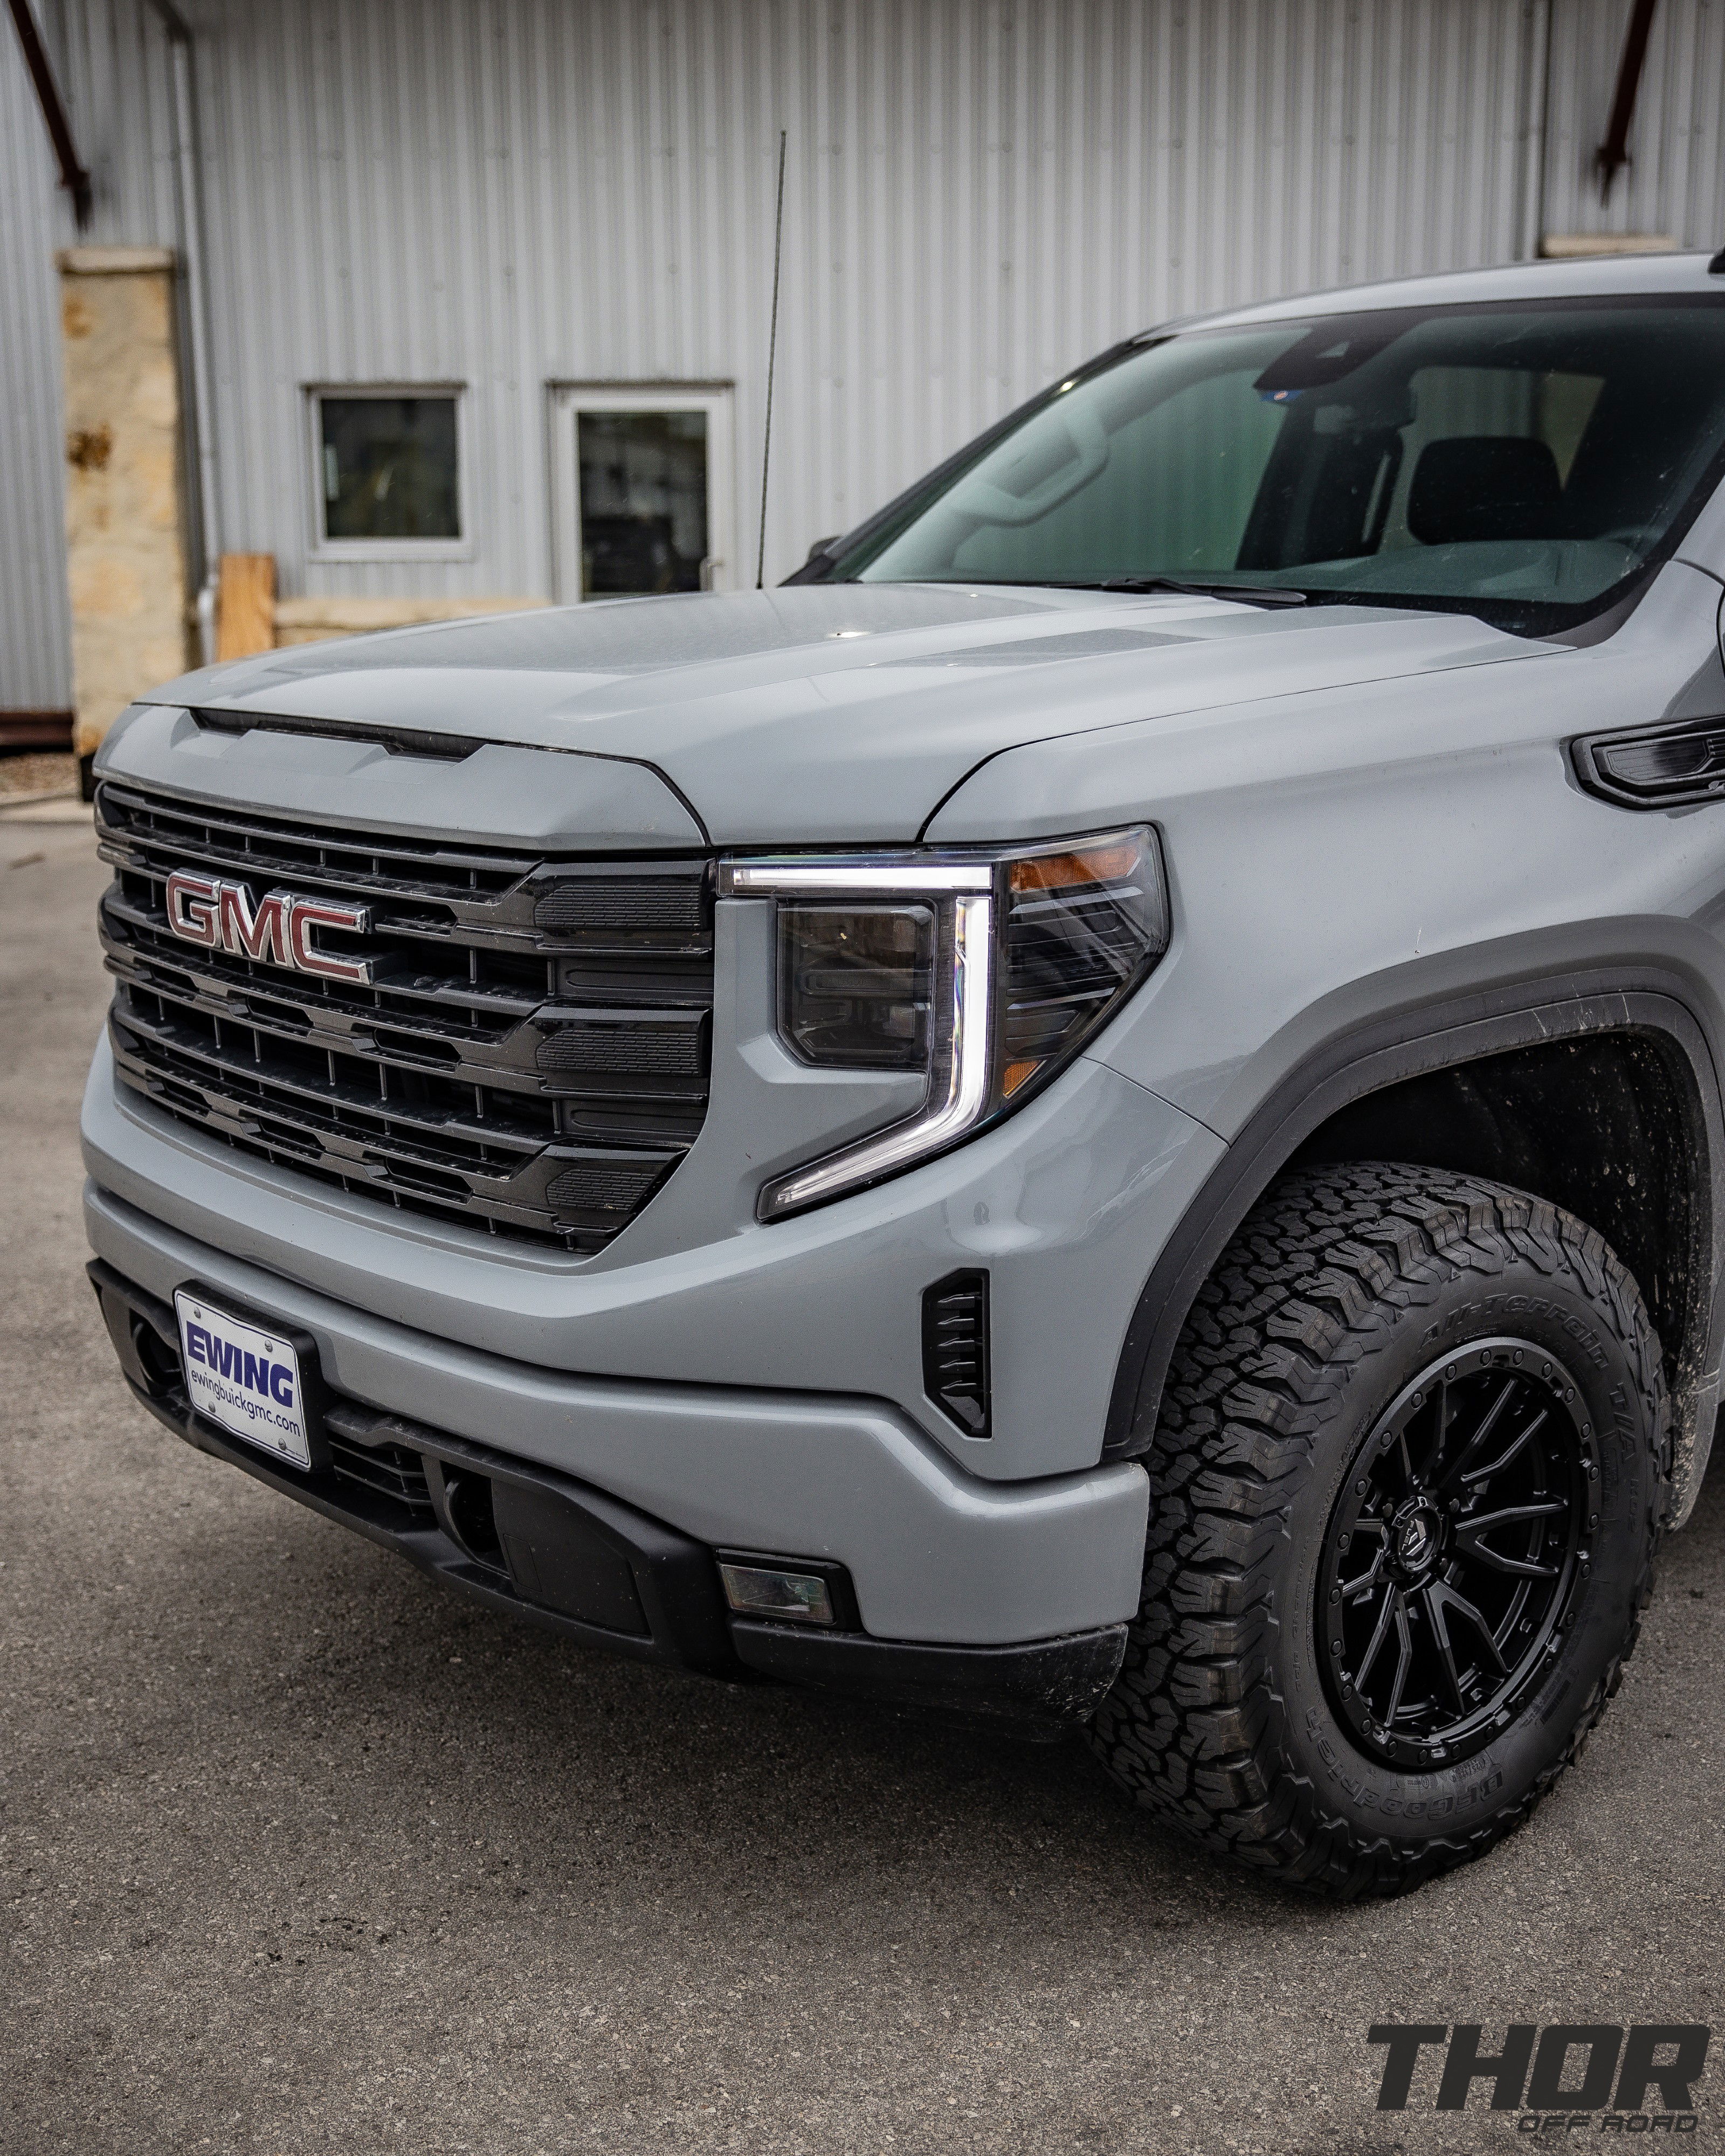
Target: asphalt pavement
<point>299,1853</point>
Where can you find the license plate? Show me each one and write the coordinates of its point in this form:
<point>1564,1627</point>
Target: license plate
<point>243,1379</point>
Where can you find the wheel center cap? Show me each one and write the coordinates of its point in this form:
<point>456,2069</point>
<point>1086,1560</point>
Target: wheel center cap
<point>1415,1538</point>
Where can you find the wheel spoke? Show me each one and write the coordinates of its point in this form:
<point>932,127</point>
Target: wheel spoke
<point>1405,1660</point>
<point>1441,1430</point>
<point>1446,1653</point>
<point>1522,1567</point>
<point>1488,1422</point>
<point>1471,1539</point>
<point>1484,1521</point>
<point>1440,1598</point>
<point>1380,1633</point>
<point>1481,1475</point>
<point>1362,1583</point>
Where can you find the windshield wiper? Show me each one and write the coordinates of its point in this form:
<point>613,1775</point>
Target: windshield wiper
<point>1264,595</point>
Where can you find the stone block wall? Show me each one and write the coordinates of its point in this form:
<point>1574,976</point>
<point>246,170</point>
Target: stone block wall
<point>127,542</point>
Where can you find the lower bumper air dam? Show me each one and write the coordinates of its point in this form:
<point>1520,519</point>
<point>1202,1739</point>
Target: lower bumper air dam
<point>541,1546</point>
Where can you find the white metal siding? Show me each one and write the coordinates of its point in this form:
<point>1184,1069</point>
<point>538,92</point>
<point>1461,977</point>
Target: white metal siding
<point>517,192</point>
<point>35,614</point>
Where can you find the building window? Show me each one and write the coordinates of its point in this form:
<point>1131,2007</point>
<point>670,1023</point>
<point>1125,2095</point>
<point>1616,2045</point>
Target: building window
<point>386,473</point>
<point>641,490</point>
<point>644,502</point>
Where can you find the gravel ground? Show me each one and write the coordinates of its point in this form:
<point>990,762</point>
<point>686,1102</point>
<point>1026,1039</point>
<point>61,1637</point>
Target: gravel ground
<point>299,1854</point>
<point>35,773</point>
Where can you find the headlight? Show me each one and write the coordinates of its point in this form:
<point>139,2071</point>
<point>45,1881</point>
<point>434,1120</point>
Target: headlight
<point>855,984</point>
<point>988,971</point>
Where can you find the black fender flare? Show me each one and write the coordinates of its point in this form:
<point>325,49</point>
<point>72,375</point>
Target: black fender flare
<point>1361,1060</point>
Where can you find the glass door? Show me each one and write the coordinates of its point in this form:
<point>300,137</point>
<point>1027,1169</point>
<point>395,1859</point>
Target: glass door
<point>642,492</point>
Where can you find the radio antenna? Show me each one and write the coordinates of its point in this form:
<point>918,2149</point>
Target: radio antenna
<point>772,361</point>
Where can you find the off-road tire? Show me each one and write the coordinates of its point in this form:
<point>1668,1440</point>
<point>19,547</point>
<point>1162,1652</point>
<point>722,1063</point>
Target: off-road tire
<point>1343,1284</point>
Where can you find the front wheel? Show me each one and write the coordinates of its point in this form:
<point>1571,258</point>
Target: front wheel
<point>1404,1497</point>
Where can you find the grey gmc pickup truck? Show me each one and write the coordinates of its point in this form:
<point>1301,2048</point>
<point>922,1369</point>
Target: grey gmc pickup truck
<point>1103,1113</point>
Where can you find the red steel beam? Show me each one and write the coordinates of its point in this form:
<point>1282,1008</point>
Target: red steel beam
<point>73,176</point>
<point>1613,153</point>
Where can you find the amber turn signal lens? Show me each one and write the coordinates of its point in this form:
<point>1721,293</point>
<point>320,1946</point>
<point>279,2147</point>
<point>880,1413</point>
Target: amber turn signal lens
<point>1084,922</point>
<point>1105,864</point>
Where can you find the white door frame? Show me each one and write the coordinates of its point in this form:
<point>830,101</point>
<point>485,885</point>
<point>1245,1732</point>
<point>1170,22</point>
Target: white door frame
<point>567,400</point>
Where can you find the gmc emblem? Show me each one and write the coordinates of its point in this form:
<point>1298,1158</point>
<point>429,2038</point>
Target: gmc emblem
<point>220,916</point>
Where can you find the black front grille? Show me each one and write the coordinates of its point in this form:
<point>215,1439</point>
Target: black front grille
<point>653,903</point>
<point>531,1054</point>
<point>389,1471</point>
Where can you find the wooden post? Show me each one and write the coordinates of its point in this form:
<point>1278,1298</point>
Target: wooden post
<point>245,605</point>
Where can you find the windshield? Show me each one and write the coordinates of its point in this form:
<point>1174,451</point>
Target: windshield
<point>1524,462</point>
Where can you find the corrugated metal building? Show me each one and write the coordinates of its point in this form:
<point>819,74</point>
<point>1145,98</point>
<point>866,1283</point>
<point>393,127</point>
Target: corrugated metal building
<point>523,208</point>
<point>35,613</point>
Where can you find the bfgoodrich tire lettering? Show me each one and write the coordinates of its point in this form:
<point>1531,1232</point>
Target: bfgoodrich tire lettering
<point>1342,1291</point>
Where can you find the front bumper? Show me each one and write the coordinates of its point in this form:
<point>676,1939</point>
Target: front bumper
<point>1001,1600</point>
<point>1065,1205</point>
<point>571,1559</point>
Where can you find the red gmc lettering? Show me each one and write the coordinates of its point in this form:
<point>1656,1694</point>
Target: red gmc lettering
<point>263,934</point>
<point>306,914</point>
<point>221,916</point>
<point>192,902</point>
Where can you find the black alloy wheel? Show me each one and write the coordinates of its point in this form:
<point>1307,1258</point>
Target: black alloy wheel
<point>1454,1552</point>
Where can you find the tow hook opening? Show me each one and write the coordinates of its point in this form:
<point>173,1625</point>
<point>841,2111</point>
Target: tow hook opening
<point>159,1361</point>
<point>472,1517</point>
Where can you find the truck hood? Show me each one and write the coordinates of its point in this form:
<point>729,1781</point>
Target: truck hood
<point>838,713</point>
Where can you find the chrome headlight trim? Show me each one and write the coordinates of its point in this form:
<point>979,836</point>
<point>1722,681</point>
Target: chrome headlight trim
<point>851,875</point>
<point>959,1091</point>
<point>956,1097</point>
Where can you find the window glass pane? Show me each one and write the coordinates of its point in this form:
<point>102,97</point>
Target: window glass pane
<point>388,468</point>
<point>644,502</point>
<point>1490,403</point>
<point>1525,461</point>
<point>1173,483</point>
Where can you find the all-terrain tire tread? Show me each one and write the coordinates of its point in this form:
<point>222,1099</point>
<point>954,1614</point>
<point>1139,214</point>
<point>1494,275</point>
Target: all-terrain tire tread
<point>1292,1315</point>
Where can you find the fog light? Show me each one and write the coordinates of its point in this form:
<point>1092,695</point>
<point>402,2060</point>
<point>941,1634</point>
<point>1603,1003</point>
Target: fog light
<point>755,1590</point>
